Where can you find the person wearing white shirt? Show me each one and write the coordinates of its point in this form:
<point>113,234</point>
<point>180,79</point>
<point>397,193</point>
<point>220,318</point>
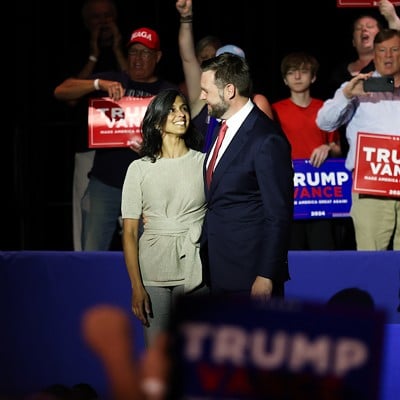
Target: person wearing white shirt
<point>376,218</point>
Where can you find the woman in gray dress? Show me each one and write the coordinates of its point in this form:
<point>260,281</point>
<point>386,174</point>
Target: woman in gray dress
<point>166,186</point>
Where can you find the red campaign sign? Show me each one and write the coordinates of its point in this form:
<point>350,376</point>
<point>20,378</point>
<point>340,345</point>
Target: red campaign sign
<point>116,123</point>
<point>377,167</point>
<point>362,3</point>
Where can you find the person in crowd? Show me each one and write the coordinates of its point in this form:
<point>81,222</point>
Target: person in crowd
<point>365,27</point>
<point>104,52</point>
<point>166,186</point>
<point>296,115</point>
<point>376,218</point>
<point>192,73</point>
<point>106,42</point>
<point>205,48</point>
<point>102,200</point>
<point>246,232</point>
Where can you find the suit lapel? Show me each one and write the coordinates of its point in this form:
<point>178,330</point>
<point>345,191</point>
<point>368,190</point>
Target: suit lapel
<point>235,146</point>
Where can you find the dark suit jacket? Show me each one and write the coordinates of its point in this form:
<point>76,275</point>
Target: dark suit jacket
<point>250,207</point>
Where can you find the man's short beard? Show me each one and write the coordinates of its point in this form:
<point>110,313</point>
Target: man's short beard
<point>219,109</point>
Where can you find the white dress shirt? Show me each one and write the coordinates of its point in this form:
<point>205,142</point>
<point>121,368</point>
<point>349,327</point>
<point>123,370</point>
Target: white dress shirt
<point>233,123</point>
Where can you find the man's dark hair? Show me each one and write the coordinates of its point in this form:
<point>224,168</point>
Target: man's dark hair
<point>230,69</point>
<point>385,34</point>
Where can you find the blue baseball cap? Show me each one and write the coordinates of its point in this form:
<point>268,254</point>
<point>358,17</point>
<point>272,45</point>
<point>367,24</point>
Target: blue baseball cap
<point>231,48</point>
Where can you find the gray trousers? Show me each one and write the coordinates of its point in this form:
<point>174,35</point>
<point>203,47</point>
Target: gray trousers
<point>162,300</point>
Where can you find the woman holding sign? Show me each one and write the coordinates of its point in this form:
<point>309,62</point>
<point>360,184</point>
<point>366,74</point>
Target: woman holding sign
<point>166,186</point>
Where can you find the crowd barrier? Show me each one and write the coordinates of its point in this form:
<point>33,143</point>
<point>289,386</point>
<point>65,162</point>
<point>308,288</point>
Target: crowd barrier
<point>44,294</point>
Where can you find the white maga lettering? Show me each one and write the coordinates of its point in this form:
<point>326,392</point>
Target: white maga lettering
<point>142,34</point>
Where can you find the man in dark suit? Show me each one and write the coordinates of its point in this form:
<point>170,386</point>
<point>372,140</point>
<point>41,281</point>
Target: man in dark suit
<point>247,226</point>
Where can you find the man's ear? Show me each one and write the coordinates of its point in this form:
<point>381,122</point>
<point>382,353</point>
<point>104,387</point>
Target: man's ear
<point>230,91</point>
<point>159,55</point>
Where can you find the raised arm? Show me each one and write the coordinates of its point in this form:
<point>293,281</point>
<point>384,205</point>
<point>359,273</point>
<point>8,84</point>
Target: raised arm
<point>387,9</point>
<point>74,89</point>
<point>190,64</point>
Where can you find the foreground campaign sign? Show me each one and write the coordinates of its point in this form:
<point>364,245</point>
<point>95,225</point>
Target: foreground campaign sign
<point>362,3</point>
<point>236,349</point>
<point>377,166</point>
<point>323,192</point>
<point>116,123</point>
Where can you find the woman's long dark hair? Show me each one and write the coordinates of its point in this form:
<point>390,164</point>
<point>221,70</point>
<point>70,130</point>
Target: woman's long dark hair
<point>156,116</point>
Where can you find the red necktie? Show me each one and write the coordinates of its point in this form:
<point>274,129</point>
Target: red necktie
<point>211,165</point>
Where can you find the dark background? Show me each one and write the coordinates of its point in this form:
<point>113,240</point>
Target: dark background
<point>38,150</point>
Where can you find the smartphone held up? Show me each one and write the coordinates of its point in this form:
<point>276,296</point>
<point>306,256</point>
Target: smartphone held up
<point>379,84</point>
